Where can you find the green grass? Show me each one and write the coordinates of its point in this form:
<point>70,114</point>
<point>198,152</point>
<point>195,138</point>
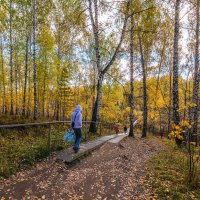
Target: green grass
<point>170,174</point>
<point>23,147</point>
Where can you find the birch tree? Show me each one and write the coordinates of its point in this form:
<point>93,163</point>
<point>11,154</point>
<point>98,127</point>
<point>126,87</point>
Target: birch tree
<point>196,76</point>
<point>176,117</point>
<point>4,111</point>
<point>144,78</point>
<point>93,11</point>
<point>131,132</point>
<point>34,60</point>
<point>11,58</point>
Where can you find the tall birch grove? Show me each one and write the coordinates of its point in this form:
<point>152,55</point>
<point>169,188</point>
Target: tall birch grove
<point>122,61</point>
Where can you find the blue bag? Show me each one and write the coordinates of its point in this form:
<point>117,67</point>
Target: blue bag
<point>69,136</point>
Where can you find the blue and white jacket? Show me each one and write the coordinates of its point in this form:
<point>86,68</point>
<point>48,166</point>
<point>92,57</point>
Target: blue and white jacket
<point>78,120</point>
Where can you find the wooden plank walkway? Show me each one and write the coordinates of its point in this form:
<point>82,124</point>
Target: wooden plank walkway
<point>118,138</point>
<point>69,156</point>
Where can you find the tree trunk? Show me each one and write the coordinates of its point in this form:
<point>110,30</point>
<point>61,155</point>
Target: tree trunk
<point>170,100</point>
<point>25,78</point>
<point>93,90</point>
<point>29,93</point>
<point>131,100</point>
<point>157,85</point>
<point>44,87</point>
<point>34,61</point>
<point>185,101</point>
<point>29,82</point>
<point>185,96</point>
<point>86,109</point>
<point>95,28</point>
<point>196,79</point>
<point>3,78</point>
<point>57,102</point>
<point>11,61</point>
<point>16,83</point>
<point>144,129</point>
<point>97,105</point>
<point>176,117</point>
<point>57,109</point>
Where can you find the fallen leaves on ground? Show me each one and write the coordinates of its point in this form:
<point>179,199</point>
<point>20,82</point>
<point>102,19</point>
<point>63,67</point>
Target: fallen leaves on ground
<point>112,172</point>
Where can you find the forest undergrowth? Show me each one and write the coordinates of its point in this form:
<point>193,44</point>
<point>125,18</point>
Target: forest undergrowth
<point>170,172</point>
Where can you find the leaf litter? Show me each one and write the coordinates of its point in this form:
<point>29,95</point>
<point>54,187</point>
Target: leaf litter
<point>111,172</point>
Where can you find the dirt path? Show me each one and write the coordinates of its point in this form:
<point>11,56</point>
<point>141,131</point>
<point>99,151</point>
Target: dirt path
<point>112,172</point>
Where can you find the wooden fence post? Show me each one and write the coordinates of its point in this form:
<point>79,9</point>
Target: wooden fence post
<point>85,131</point>
<point>100,128</point>
<point>49,137</point>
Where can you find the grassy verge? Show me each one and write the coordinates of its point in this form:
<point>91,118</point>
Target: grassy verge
<point>170,174</point>
<point>23,147</point>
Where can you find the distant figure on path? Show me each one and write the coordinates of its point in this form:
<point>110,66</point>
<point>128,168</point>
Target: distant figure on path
<point>125,129</point>
<point>76,124</point>
<point>116,128</point>
<point>161,133</point>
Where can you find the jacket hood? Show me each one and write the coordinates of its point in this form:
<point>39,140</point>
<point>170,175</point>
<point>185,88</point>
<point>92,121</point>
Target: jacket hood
<point>78,108</point>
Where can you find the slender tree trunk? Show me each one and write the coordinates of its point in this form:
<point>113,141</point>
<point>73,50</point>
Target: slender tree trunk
<point>16,83</point>
<point>144,129</point>
<point>196,79</point>
<point>29,82</point>
<point>47,108</point>
<point>170,100</point>
<point>190,99</point>
<point>39,102</point>
<point>176,117</point>
<point>44,87</point>
<point>185,95</point>
<point>3,78</point>
<point>11,61</point>
<point>34,62</point>
<point>160,126</point>
<point>131,100</point>
<point>57,110</point>
<point>86,109</point>
<point>57,106</point>
<point>185,102</point>
<point>93,89</point>
<point>95,28</point>
<point>157,85</point>
<point>60,110</point>
<point>25,78</point>
<point>29,93</point>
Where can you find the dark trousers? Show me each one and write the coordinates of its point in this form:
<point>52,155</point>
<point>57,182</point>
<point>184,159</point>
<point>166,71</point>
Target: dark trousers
<point>78,135</point>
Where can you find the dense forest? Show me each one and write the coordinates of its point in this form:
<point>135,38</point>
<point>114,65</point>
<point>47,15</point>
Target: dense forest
<point>131,64</point>
<point>118,59</point>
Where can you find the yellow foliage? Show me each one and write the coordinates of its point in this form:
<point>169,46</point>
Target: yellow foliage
<point>178,130</point>
<point>186,124</point>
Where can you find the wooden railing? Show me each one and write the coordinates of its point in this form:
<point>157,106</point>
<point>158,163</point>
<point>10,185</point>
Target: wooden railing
<point>102,126</point>
<point>85,128</point>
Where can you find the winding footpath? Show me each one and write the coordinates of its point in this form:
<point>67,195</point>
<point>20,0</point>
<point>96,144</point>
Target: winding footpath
<point>114,171</point>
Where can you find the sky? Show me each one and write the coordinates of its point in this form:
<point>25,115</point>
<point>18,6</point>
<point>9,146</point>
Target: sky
<point>107,17</point>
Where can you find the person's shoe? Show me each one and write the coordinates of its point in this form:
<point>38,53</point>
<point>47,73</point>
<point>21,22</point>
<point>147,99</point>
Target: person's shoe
<point>76,151</point>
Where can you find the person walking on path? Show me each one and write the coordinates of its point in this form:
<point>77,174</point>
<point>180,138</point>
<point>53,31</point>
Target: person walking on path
<point>125,129</point>
<point>76,125</point>
<point>116,128</point>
